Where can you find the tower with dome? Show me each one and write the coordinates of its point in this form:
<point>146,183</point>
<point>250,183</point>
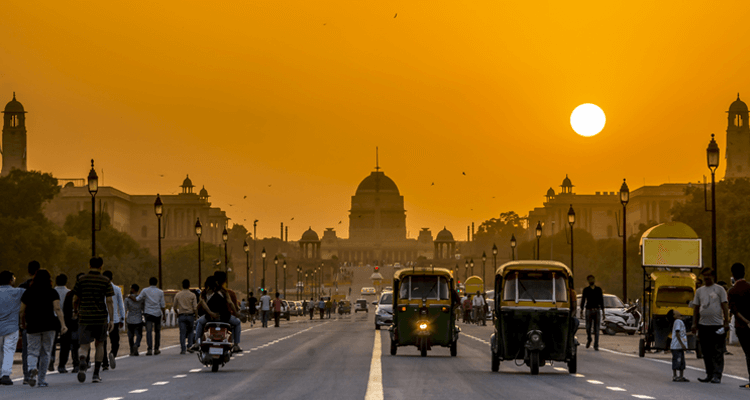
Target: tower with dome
<point>14,137</point>
<point>738,141</point>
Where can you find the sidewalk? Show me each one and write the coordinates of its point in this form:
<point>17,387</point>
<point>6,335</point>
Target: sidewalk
<point>734,364</point>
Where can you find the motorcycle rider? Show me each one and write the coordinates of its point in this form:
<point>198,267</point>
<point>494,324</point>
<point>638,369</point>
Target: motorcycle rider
<point>218,306</point>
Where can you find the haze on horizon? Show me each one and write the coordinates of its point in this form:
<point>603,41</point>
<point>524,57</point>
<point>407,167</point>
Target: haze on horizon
<point>285,103</point>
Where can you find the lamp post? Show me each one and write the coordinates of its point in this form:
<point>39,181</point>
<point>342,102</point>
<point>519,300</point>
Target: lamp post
<point>484,260</point>
<point>93,188</point>
<point>471,264</point>
<point>263,256</point>
<point>538,236</point>
<point>494,257</point>
<point>571,221</point>
<point>712,155</point>
<point>276,273</point>
<point>255,225</point>
<point>299,289</point>
<point>513,244</point>
<point>246,247</point>
<point>225,238</point>
<point>198,232</point>
<point>284,279</point>
<point>466,265</point>
<point>624,198</point>
<point>159,211</point>
<point>306,284</point>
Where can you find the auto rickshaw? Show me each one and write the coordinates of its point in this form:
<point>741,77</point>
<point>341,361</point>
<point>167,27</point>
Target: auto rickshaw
<point>423,310</point>
<point>667,290</point>
<point>533,315</point>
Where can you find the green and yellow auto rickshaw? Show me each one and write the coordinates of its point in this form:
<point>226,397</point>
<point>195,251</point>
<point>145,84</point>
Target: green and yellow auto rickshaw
<point>533,315</point>
<point>423,310</point>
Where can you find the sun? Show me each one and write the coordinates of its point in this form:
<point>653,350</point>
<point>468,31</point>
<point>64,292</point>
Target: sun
<point>587,119</point>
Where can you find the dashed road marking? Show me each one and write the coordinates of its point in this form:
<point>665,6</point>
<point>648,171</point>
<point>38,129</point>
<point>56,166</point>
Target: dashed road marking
<point>138,391</point>
<point>616,389</point>
<point>179,376</point>
<point>593,382</point>
<point>114,398</point>
<point>561,369</point>
<point>643,396</point>
<point>667,362</point>
<point>579,375</point>
<point>162,383</point>
<point>196,370</point>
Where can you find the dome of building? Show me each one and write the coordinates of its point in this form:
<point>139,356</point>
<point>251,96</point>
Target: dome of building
<point>737,106</point>
<point>203,192</point>
<point>310,236</point>
<point>187,182</point>
<point>566,182</point>
<point>551,192</point>
<point>444,236</point>
<point>377,182</point>
<point>14,106</point>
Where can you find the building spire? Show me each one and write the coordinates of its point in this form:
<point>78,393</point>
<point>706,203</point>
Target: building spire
<point>14,95</point>
<point>377,160</point>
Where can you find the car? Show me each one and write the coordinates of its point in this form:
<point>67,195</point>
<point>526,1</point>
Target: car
<point>368,291</point>
<point>388,289</point>
<point>285,310</point>
<point>360,305</point>
<point>612,303</point>
<point>384,310</point>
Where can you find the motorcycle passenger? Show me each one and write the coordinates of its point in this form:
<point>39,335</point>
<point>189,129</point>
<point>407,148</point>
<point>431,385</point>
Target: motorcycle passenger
<point>217,304</point>
<point>221,281</point>
<point>592,300</point>
<point>477,304</point>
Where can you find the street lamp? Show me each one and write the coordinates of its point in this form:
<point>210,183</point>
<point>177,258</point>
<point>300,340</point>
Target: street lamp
<point>471,264</point>
<point>225,238</point>
<point>159,211</point>
<point>484,260</point>
<point>263,256</point>
<point>513,244</point>
<point>624,199</point>
<point>198,232</point>
<point>494,257</point>
<point>93,188</point>
<point>299,289</point>
<point>712,155</point>
<point>284,279</point>
<point>538,236</point>
<point>276,272</point>
<point>306,284</point>
<point>466,264</point>
<point>571,221</point>
<point>246,247</point>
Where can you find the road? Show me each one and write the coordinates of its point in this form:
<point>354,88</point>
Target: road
<point>332,359</point>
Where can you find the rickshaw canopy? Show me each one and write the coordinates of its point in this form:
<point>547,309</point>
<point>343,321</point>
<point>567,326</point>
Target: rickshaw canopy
<point>671,244</point>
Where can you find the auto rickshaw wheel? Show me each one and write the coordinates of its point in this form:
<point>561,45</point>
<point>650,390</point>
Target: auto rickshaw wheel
<point>642,347</point>
<point>495,362</point>
<point>394,348</point>
<point>454,349</point>
<point>573,364</point>
<point>534,362</point>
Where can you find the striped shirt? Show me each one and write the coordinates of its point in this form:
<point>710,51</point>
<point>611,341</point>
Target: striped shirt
<point>91,290</point>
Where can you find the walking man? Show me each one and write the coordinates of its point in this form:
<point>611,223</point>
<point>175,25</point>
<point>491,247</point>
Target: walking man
<point>153,310</point>
<point>322,307</point>
<point>186,307</point>
<point>93,312</point>
<point>60,282</point>
<point>277,310</point>
<point>114,334</point>
<point>477,304</point>
<point>311,306</point>
<point>711,321</point>
<point>134,319</point>
<point>265,308</point>
<point>739,304</point>
<point>10,306</point>
<point>69,341</point>
<point>252,302</point>
<point>33,267</point>
<point>592,300</point>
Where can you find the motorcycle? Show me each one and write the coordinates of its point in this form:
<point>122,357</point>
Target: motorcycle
<point>626,320</point>
<point>216,345</point>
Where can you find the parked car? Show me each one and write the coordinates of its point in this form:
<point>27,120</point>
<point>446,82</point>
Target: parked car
<point>384,310</point>
<point>285,310</point>
<point>612,305</point>
<point>360,305</point>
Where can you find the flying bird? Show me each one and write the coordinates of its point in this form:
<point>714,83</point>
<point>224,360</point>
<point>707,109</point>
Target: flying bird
<point>269,185</point>
<point>231,205</point>
<point>463,173</point>
<point>244,197</point>
<point>292,219</point>
<point>339,222</point>
<point>395,15</point>
<point>324,24</point>
<point>161,176</point>
<point>433,184</point>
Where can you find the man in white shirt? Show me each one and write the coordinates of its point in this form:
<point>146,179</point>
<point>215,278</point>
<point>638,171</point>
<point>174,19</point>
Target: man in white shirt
<point>477,305</point>
<point>118,320</point>
<point>711,322</point>
<point>265,308</point>
<point>153,311</point>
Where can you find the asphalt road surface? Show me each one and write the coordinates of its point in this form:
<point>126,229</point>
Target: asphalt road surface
<point>340,359</point>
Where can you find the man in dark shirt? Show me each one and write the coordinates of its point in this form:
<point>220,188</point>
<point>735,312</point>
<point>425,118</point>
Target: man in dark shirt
<point>33,267</point>
<point>739,305</point>
<point>592,302</point>
<point>251,310</point>
<point>69,341</point>
<point>93,312</point>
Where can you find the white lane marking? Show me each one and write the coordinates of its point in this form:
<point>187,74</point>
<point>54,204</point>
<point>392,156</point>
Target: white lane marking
<point>616,389</point>
<point>179,376</point>
<point>375,382</point>
<point>561,369</point>
<point>667,362</point>
<point>475,338</point>
<point>162,383</point>
<point>114,398</point>
<point>579,375</point>
<point>593,382</point>
<point>196,370</point>
<point>138,391</point>
<point>642,396</point>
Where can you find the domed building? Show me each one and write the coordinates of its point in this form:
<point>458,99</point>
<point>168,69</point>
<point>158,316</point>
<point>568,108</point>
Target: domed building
<point>14,137</point>
<point>738,141</point>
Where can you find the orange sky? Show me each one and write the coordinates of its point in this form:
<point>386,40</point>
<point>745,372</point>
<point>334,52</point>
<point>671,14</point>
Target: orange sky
<point>297,94</point>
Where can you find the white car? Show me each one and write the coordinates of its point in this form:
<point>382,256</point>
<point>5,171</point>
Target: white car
<point>384,310</point>
<point>360,305</point>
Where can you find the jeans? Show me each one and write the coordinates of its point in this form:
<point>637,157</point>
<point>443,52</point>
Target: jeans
<point>592,321</point>
<point>137,331</point>
<point>153,323</point>
<point>114,340</point>
<point>7,349</point>
<point>24,354</point>
<point>743,334</point>
<point>264,317</point>
<point>312,313</point>
<point>712,346</point>
<point>322,313</point>
<point>40,348</point>
<point>68,346</point>
<point>186,330</point>
<point>276,316</point>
